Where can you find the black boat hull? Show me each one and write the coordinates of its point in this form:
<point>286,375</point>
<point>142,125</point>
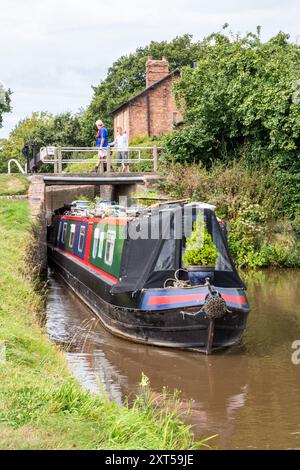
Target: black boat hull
<point>184,328</point>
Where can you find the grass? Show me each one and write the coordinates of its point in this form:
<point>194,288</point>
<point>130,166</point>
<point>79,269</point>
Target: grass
<point>11,185</point>
<point>41,405</point>
<point>78,168</point>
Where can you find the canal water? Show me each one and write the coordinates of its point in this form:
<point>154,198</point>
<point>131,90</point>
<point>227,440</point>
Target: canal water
<point>249,396</point>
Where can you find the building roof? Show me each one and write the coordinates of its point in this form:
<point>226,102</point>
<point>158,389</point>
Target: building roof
<point>171,74</point>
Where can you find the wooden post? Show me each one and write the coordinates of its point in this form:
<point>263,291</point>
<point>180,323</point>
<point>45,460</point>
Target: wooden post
<point>155,158</point>
<point>59,157</point>
<point>108,159</point>
<point>210,335</point>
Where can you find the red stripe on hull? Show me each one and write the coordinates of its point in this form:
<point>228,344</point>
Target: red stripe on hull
<point>89,265</point>
<point>95,219</point>
<point>176,299</point>
<point>235,299</point>
<point>171,299</point>
<point>88,243</point>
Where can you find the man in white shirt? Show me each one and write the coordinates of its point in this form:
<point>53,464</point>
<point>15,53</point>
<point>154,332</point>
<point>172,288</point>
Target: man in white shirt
<point>121,145</point>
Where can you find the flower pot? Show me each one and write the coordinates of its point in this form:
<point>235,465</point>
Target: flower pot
<point>198,274</point>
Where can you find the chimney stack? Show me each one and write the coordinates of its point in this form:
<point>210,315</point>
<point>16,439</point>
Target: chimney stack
<point>156,70</point>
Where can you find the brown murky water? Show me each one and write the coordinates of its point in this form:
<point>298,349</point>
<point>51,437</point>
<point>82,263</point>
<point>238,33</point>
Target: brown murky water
<point>250,397</point>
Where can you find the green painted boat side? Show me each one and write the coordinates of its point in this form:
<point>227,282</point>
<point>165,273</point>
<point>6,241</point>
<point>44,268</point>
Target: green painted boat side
<point>99,248</point>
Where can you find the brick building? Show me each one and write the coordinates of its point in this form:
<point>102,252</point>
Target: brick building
<point>153,111</point>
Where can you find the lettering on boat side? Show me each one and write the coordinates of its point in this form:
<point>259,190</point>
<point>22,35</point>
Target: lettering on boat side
<point>182,460</point>
<point>296,354</point>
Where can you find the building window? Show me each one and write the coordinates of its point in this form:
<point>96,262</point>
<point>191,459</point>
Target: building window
<point>110,246</point>
<point>72,235</point>
<point>96,240</point>
<point>81,239</point>
<point>101,243</point>
<point>124,120</point>
<point>64,232</point>
<point>118,120</point>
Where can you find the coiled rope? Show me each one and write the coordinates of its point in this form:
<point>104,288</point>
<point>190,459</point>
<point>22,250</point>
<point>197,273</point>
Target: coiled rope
<point>176,282</point>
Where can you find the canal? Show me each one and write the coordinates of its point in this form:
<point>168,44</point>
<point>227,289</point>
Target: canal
<point>249,396</point>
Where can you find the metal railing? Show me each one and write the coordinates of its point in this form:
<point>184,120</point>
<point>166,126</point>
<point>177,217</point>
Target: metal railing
<point>55,155</point>
<point>20,168</point>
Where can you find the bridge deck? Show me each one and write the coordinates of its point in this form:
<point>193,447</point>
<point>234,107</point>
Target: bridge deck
<point>101,179</point>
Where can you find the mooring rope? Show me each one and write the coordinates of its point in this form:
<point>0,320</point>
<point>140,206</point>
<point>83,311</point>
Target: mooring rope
<point>176,282</point>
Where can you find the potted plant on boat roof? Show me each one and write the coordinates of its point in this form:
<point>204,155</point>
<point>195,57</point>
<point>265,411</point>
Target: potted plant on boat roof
<point>201,254</point>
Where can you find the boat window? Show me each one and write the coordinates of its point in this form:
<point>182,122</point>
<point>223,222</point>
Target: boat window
<point>72,235</point>
<point>81,239</point>
<point>110,245</point>
<point>101,244</point>
<point>166,259</point>
<point>59,231</point>
<point>96,240</point>
<point>64,232</point>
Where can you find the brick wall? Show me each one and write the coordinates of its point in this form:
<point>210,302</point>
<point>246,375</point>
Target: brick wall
<point>121,119</point>
<point>133,117</point>
<point>156,70</point>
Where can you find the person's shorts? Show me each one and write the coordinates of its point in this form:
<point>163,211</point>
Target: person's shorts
<point>122,155</point>
<point>102,152</point>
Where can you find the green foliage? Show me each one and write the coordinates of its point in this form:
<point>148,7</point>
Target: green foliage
<point>296,225</point>
<point>4,102</point>
<point>200,249</point>
<point>126,77</point>
<point>247,235</point>
<point>141,198</point>
<point>287,184</point>
<point>241,102</point>
<point>248,200</point>
<point>239,99</point>
<point>42,129</point>
<point>144,141</point>
<point>80,168</point>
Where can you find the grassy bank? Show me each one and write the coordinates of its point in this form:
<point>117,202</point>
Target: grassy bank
<point>12,185</point>
<point>41,405</point>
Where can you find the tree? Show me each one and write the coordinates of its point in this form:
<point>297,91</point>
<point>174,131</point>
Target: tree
<point>4,102</point>
<point>42,129</point>
<point>126,77</point>
<point>241,99</point>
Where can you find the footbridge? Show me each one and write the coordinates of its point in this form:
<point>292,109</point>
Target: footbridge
<point>48,192</point>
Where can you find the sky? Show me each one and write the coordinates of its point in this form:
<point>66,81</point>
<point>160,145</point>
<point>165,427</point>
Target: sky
<point>52,51</point>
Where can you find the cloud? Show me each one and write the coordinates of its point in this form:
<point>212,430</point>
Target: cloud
<point>53,51</point>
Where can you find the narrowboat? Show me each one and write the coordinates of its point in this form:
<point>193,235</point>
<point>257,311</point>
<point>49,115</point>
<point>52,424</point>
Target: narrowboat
<point>127,265</point>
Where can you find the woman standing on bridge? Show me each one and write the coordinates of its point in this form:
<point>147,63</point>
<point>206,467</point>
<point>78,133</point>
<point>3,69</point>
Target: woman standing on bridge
<point>121,145</point>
